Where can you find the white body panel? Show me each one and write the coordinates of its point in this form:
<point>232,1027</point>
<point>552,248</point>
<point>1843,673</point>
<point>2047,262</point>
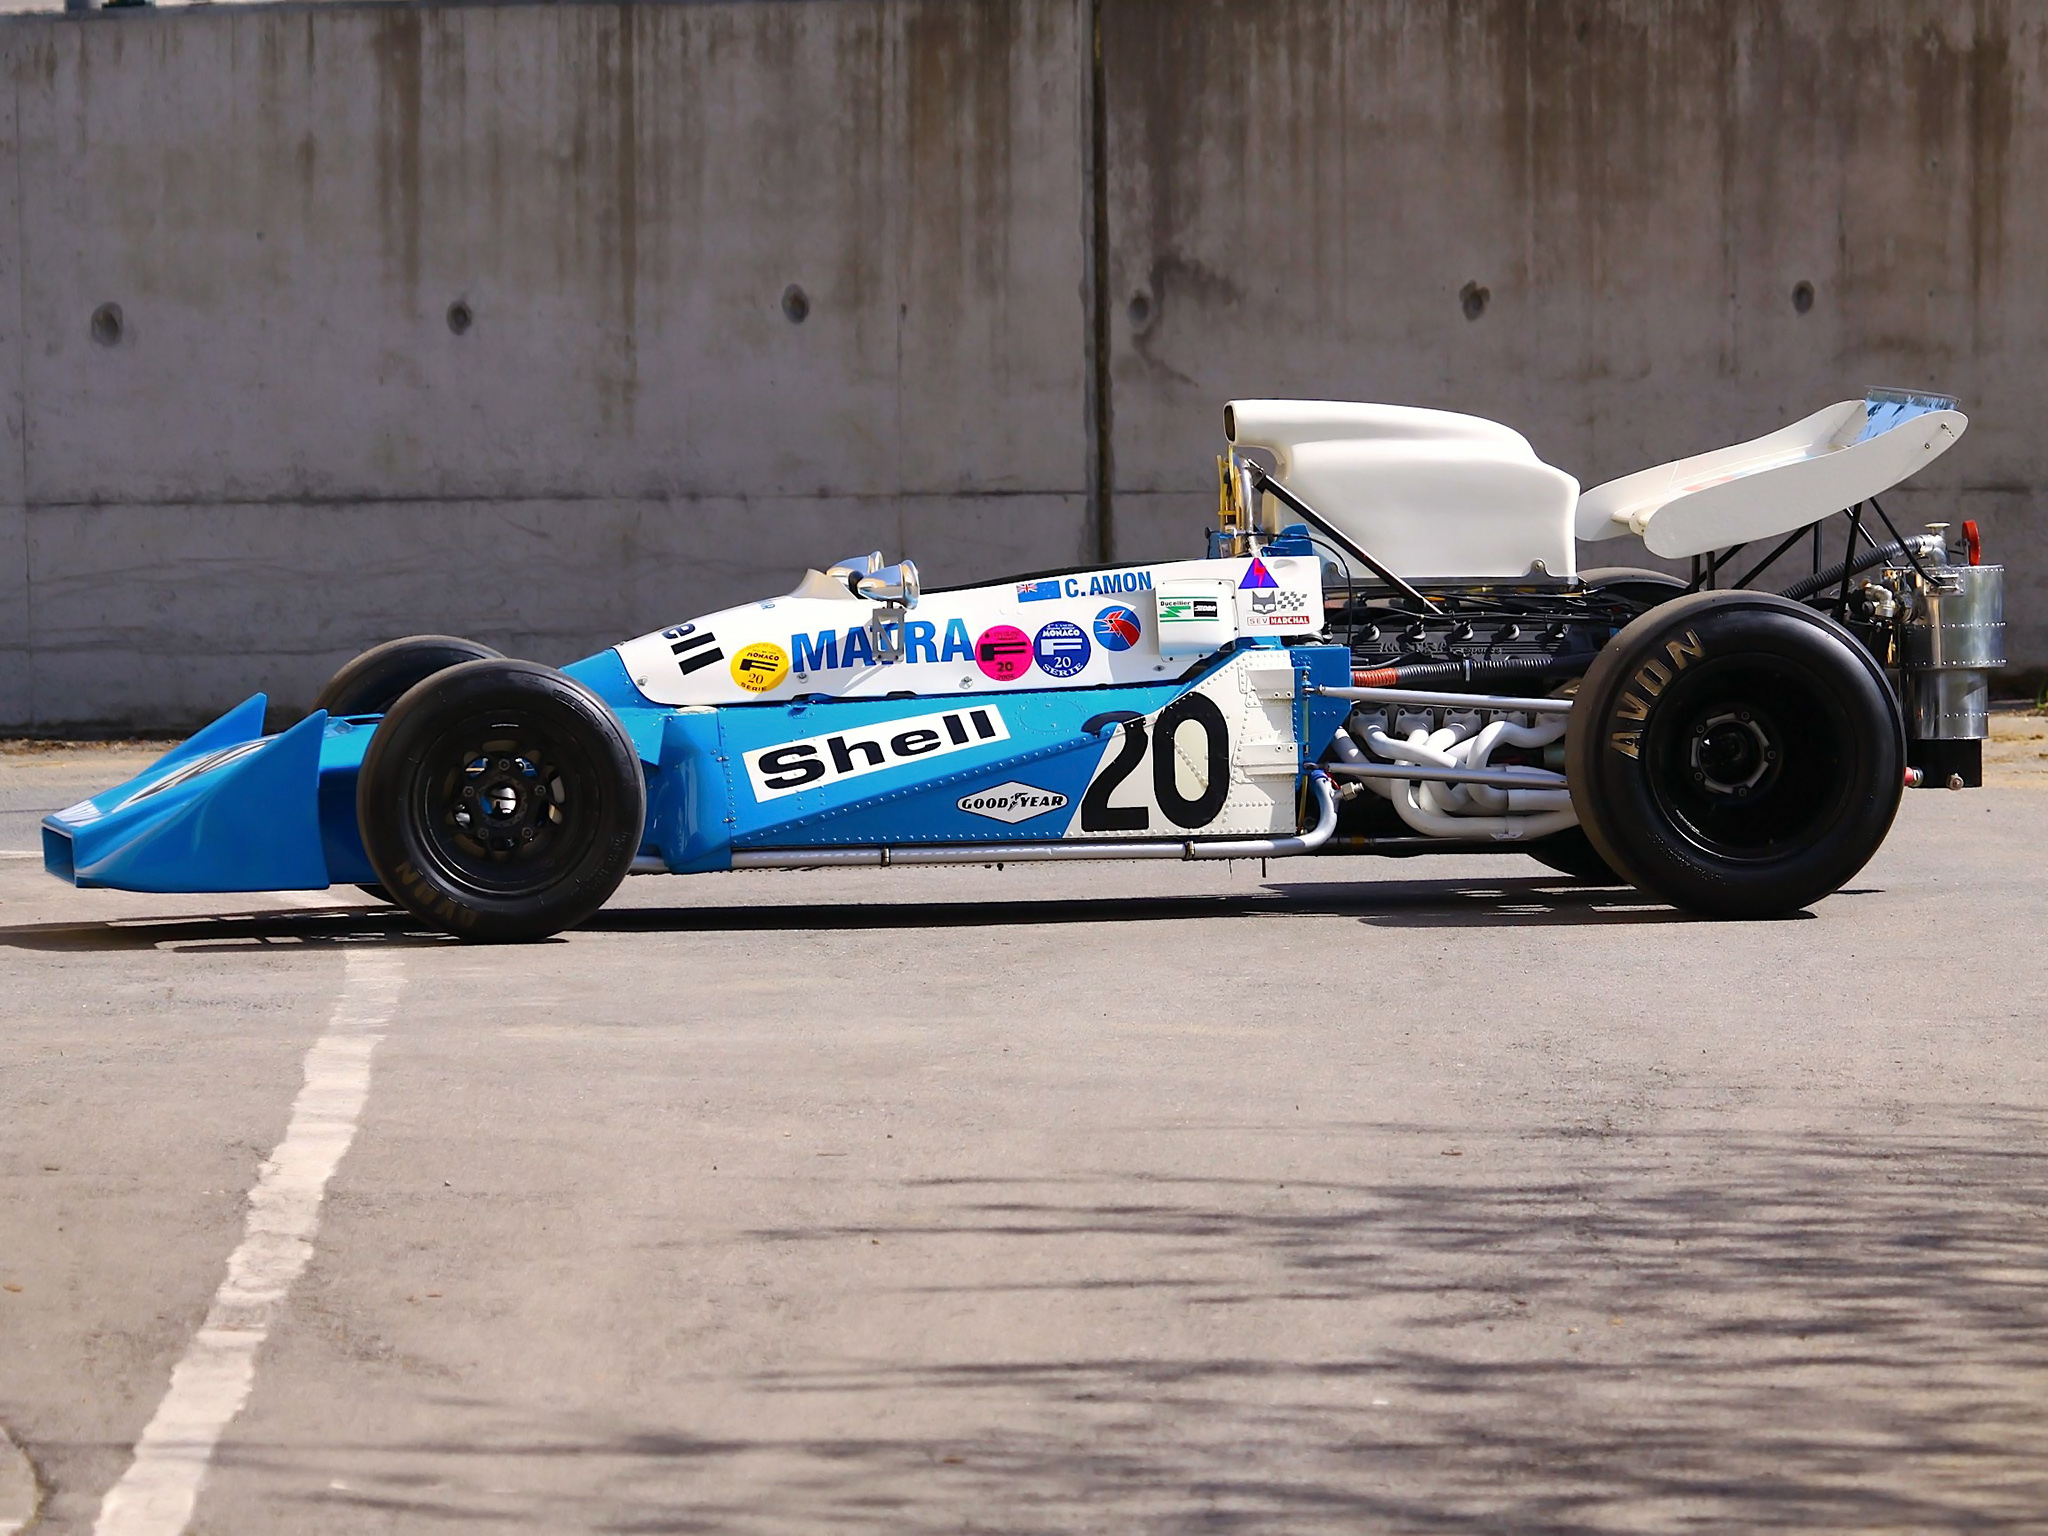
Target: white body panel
<point>1254,695</point>
<point>1039,634</point>
<point>1774,484</point>
<point>1430,494</point>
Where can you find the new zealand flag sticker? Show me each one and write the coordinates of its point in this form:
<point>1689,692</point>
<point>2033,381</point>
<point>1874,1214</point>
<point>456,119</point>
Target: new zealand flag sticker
<point>1038,591</point>
<point>1258,576</point>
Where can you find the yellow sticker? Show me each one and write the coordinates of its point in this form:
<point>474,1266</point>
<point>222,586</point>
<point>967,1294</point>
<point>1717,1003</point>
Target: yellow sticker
<point>760,666</point>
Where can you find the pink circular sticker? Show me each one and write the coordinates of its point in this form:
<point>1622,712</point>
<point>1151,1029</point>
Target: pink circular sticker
<point>1003,652</point>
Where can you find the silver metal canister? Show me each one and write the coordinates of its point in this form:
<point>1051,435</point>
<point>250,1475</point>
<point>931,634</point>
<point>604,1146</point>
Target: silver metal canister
<point>1952,641</point>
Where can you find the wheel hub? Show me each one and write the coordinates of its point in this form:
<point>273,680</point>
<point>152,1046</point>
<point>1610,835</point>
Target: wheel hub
<point>1732,753</point>
<point>509,799</point>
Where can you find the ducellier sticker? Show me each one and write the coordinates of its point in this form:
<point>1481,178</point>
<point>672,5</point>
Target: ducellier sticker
<point>1652,678</point>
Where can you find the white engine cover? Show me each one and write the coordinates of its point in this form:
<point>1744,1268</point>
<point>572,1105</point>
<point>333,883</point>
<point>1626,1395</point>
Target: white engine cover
<point>1774,484</point>
<point>1430,494</point>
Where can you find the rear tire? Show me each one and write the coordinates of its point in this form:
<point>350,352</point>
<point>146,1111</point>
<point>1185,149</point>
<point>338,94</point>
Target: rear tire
<point>1633,584</point>
<point>501,801</point>
<point>371,683</point>
<point>1735,754</point>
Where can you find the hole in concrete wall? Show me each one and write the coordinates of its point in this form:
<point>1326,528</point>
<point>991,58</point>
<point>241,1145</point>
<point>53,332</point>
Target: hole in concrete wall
<point>1140,309</point>
<point>796,305</point>
<point>1473,300</point>
<point>1802,296</point>
<point>106,325</point>
<point>459,317</point>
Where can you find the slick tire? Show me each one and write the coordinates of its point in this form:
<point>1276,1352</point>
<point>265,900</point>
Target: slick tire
<point>371,683</point>
<point>1735,754</point>
<point>1571,852</point>
<point>501,801</point>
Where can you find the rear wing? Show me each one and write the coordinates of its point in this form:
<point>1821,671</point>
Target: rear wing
<point>1772,485</point>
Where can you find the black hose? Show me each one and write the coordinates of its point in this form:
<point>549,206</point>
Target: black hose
<point>1469,669</point>
<point>1802,589</point>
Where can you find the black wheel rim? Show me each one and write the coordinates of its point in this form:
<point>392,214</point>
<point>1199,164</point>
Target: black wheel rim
<point>1750,758</point>
<point>502,803</point>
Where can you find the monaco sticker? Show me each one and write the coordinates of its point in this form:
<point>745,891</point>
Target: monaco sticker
<point>760,666</point>
<point>1012,802</point>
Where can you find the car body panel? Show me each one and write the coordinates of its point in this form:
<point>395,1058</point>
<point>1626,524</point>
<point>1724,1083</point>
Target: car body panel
<point>1072,630</point>
<point>235,810</point>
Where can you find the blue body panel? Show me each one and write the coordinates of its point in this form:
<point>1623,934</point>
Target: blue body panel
<point>234,810</point>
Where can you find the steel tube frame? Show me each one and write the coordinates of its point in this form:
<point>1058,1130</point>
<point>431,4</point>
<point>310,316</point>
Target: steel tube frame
<point>1429,699</point>
<point>1493,778</point>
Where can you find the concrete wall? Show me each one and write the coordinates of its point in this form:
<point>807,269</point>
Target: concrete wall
<point>289,453</point>
<point>1297,204</point>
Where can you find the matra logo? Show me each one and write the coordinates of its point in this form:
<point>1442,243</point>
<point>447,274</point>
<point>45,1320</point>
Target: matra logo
<point>827,760</point>
<point>829,651</point>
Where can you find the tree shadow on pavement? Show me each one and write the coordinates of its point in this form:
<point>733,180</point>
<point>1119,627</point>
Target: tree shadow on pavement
<point>1793,1333</point>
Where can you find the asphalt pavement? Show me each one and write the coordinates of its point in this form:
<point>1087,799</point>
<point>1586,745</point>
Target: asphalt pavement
<point>1433,1196</point>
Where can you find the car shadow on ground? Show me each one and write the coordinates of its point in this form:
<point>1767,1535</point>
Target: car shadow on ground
<point>1522,902</point>
<point>1408,903</point>
<point>230,931</point>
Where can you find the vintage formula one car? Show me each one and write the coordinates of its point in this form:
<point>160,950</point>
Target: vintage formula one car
<point>1389,647</point>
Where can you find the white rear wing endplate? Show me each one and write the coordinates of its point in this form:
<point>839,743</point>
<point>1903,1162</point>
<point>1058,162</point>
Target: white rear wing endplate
<point>1772,485</point>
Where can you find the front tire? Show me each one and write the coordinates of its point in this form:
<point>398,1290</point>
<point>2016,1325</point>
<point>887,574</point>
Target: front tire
<point>501,801</point>
<point>373,681</point>
<point>1735,754</point>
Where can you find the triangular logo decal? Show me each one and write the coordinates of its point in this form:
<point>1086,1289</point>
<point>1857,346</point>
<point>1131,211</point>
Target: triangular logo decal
<point>1258,576</point>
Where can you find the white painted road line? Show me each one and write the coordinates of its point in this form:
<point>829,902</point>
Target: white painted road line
<point>19,1494</point>
<point>209,1385</point>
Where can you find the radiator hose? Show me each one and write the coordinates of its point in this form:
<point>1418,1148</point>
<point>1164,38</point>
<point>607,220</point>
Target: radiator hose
<point>1927,546</point>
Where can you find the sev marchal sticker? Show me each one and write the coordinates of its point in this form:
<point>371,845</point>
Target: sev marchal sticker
<point>760,666</point>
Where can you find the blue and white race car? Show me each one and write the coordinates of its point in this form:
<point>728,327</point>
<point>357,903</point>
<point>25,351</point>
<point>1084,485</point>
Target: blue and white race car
<point>1418,666</point>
